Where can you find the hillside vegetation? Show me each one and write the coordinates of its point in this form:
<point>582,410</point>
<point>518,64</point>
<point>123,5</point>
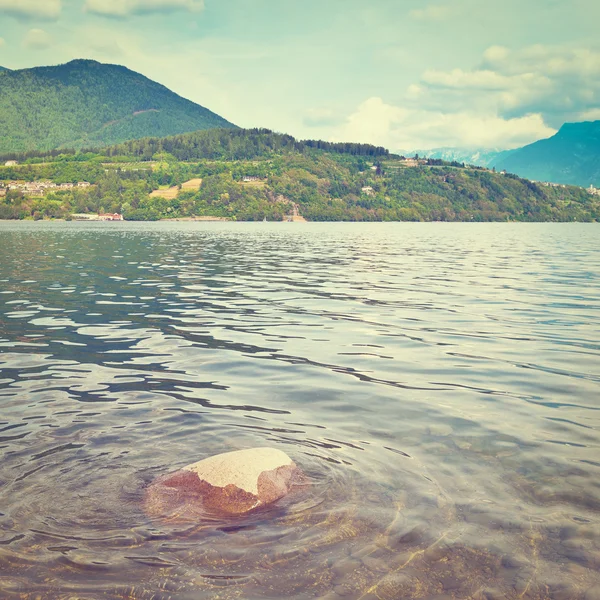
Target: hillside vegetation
<point>88,104</point>
<point>251,175</point>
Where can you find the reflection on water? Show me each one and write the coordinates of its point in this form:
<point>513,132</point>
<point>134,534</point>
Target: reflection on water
<point>439,383</point>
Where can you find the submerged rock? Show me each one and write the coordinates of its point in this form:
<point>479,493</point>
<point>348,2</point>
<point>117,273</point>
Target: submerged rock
<point>232,483</point>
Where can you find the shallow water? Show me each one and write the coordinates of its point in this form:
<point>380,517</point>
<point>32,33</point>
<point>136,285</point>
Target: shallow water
<point>438,382</point>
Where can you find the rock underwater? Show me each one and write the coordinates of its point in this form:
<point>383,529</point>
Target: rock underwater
<point>233,483</point>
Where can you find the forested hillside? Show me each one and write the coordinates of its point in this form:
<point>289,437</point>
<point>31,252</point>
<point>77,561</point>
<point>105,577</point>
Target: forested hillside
<point>88,104</point>
<point>252,175</point>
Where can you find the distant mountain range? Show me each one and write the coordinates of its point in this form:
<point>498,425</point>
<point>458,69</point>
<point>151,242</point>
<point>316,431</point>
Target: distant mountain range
<point>571,156</point>
<point>85,103</point>
<point>482,157</point>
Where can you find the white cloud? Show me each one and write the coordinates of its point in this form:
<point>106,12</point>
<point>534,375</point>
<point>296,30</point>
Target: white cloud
<point>398,127</point>
<point>433,12</point>
<point>125,8</point>
<point>495,54</point>
<point>591,115</point>
<point>553,61</point>
<point>319,117</point>
<point>459,79</point>
<point>559,82</point>
<point>37,39</point>
<point>511,98</point>
<point>31,9</point>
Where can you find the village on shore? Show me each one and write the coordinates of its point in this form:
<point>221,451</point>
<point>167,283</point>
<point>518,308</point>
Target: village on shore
<point>39,189</point>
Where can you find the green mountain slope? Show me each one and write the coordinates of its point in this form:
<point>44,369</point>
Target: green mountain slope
<point>572,156</point>
<point>256,174</point>
<point>89,104</point>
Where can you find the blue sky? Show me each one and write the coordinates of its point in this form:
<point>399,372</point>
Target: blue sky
<point>407,75</point>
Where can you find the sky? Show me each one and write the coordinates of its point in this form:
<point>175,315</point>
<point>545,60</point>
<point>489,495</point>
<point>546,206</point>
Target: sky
<point>403,74</point>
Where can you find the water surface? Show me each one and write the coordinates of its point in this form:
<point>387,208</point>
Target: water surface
<point>438,382</point>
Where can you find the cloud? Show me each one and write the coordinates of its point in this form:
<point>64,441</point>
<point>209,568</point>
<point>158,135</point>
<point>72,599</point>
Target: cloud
<point>561,83</point>
<point>125,8</point>
<point>37,39</point>
<point>495,54</point>
<point>319,117</point>
<point>2,42</point>
<point>553,61</point>
<point>433,12</point>
<point>31,9</point>
<point>482,80</point>
<point>591,115</point>
<point>396,127</point>
<point>511,98</point>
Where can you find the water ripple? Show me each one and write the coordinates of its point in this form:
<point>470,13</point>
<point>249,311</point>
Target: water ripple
<point>438,383</point>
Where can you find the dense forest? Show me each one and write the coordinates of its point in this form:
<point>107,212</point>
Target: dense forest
<point>257,174</point>
<point>85,103</point>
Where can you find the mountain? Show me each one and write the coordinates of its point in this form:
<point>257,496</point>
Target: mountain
<point>85,103</point>
<point>571,156</point>
<point>481,157</point>
<point>3,69</point>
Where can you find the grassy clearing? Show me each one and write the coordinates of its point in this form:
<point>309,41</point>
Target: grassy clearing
<point>192,184</point>
<point>170,193</point>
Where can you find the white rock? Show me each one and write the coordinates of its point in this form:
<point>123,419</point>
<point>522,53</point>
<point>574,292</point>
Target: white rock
<point>234,483</point>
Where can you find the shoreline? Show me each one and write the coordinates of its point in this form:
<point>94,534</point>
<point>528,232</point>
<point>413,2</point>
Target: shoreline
<point>191,219</point>
<point>228,220</point>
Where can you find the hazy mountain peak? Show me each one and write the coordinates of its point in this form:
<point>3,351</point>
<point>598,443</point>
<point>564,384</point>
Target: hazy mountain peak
<point>571,156</point>
<point>482,157</point>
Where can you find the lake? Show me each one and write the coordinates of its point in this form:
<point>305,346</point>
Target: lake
<point>439,383</point>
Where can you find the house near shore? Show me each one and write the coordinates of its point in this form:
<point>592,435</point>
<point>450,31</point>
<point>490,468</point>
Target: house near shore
<point>11,163</point>
<point>33,189</point>
<point>84,217</point>
<point>100,217</point>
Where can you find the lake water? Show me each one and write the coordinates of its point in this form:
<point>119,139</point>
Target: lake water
<point>439,383</point>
